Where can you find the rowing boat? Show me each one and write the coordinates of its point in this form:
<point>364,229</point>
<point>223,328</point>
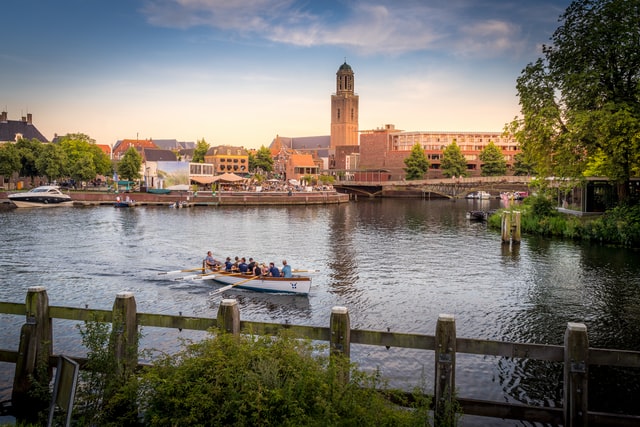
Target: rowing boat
<point>291,285</point>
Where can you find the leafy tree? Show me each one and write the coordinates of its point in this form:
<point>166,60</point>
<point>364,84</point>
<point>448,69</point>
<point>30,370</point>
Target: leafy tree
<point>130,164</point>
<point>493,162</point>
<point>29,151</point>
<point>522,166</point>
<point>262,160</point>
<point>85,160</point>
<point>9,160</point>
<point>201,149</point>
<point>52,162</point>
<point>416,163</point>
<point>453,162</point>
<point>582,99</point>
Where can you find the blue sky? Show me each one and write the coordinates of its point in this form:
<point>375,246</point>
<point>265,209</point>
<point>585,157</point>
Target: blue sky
<point>241,72</point>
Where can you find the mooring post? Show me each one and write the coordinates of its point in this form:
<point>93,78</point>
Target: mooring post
<point>515,232</point>
<point>506,227</point>
<point>36,345</point>
<point>340,340</point>
<point>576,370</point>
<point>229,316</point>
<point>124,335</point>
<point>445,359</point>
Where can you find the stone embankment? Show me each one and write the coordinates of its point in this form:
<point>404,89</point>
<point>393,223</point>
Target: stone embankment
<point>221,198</point>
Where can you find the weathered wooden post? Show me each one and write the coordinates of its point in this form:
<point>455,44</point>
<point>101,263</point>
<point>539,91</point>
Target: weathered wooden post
<point>576,370</point>
<point>506,227</point>
<point>124,335</point>
<point>340,340</point>
<point>36,345</point>
<point>515,232</point>
<point>229,316</point>
<point>445,373</point>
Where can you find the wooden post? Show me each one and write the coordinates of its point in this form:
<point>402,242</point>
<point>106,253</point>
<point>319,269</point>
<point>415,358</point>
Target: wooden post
<point>445,359</point>
<point>515,232</point>
<point>124,335</point>
<point>229,316</point>
<point>36,345</point>
<point>576,373</point>
<point>340,341</point>
<point>506,227</point>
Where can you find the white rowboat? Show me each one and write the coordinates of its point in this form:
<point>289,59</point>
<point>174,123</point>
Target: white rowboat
<point>291,285</point>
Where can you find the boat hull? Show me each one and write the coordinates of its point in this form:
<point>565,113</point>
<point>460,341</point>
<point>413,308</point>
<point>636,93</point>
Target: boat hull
<point>41,197</point>
<point>290,285</point>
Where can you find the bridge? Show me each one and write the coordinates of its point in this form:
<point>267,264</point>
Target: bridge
<point>451,188</point>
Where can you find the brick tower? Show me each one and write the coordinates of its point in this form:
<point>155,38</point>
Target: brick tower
<point>344,110</point>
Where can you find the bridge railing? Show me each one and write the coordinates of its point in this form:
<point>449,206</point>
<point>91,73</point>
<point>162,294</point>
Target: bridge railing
<point>575,355</point>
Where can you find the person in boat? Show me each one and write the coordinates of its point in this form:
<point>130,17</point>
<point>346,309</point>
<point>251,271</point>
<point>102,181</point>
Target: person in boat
<point>243,267</point>
<point>252,264</point>
<point>210,262</point>
<point>273,270</point>
<point>257,270</point>
<point>286,269</point>
<point>228,265</point>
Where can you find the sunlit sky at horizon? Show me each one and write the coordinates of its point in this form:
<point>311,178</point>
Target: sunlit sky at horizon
<point>241,72</point>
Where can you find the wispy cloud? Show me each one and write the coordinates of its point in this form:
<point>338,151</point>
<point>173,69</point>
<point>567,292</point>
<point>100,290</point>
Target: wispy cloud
<point>385,27</point>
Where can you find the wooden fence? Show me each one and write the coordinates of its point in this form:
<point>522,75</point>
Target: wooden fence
<point>575,354</point>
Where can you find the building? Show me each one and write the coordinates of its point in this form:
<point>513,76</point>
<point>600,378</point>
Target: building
<point>228,159</point>
<point>386,148</point>
<point>14,130</point>
<point>344,109</point>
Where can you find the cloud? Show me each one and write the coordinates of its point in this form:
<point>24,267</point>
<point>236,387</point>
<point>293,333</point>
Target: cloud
<point>386,27</point>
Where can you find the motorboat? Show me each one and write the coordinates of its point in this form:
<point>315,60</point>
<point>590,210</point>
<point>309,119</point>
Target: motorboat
<point>45,196</point>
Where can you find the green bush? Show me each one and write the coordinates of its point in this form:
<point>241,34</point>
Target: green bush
<point>250,380</point>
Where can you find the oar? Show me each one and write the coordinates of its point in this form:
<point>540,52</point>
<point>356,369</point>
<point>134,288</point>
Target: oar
<point>226,288</point>
<point>187,270</point>
<point>195,276</point>
<point>305,271</point>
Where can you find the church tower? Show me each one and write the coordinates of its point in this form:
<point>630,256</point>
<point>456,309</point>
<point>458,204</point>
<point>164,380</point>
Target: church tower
<point>344,110</point>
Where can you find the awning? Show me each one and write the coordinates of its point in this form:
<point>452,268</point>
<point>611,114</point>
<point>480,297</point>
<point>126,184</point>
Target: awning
<point>203,179</point>
<point>228,177</point>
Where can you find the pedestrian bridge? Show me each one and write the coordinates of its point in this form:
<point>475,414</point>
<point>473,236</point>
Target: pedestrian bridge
<point>452,188</point>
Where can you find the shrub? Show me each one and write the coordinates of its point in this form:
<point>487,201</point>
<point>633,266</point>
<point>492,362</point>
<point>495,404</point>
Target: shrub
<point>249,380</point>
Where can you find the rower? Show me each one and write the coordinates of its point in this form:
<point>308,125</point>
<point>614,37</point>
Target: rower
<point>210,262</point>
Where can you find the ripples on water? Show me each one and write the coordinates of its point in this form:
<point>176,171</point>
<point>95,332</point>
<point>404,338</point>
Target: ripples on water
<point>395,264</point>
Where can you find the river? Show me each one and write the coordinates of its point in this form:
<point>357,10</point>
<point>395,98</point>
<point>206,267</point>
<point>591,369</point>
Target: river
<point>396,264</point>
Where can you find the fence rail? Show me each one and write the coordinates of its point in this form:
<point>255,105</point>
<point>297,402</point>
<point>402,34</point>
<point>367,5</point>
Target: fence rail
<point>575,355</point>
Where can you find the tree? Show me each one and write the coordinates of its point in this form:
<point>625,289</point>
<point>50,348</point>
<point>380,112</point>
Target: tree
<point>29,151</point>
<point>129,166</point>
<point>85,159</point>
<point>9,160</point>
<point>582,100</point>
<point>262,160</point>
<point>52,162</point>
<point>522,166</point>
<point>453,162</point>
<point>201,149</point>
<point>493,162</point>
<point>416,163</point>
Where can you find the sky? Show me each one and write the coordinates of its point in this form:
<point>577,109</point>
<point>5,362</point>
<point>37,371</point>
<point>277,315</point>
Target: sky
<point>241,72</point>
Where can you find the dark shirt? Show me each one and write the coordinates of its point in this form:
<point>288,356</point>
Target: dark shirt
<point>257,270</point>
<point>243,267</point>
<point>228,265</point>
<point>274,271</point>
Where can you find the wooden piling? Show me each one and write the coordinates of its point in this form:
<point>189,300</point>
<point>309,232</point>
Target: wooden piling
<point>36,345</point>
<point>340,341</point>
<point>576,370</point>
<point>229,316</point>
<point>515,230</point>
<point>506,227</point>
<point>124,333</point>
<point>510,227</point>
<point>445,358</point>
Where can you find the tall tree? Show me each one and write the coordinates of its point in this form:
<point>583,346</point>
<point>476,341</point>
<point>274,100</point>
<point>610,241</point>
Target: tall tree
<point>129,166</point>
<point>583,98</point>
<point>453,162</point>
<point>9,160</point>
<point>493,162</point>
<point>201,149</point>
<point>416,163</point>
<point>29,151</point>
<point>85,160</point>
<point>52,162</point>
<point>262,160</point>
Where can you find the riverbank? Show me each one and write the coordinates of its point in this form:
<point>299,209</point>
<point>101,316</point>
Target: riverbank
<point>220,198</point>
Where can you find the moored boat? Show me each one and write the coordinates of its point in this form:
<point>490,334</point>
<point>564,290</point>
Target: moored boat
<point>45,196</point>
<point>127,203</point>
<point>292,285</point>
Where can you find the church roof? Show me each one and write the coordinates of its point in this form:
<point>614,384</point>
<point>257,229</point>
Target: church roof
<point>345,67</point>
<point>10,128</point>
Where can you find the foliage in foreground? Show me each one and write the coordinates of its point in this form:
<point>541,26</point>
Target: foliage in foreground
<point>617,226</point>
<point>226,380</point>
